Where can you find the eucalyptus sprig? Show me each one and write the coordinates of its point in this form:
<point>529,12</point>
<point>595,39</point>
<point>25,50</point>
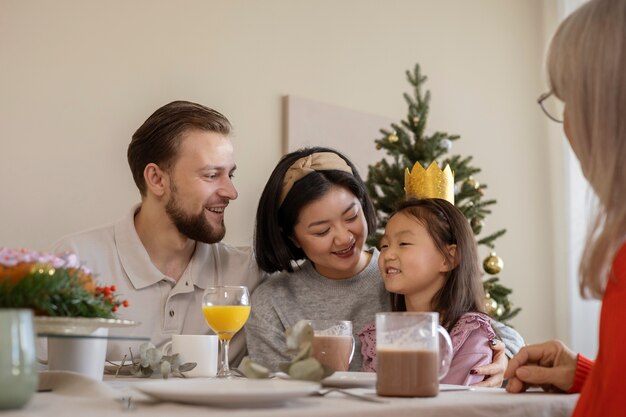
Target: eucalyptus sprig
<point>299,341</point>
<point>152,360</point>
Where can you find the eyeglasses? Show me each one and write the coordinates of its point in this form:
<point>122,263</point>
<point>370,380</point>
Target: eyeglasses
<point>551,107</point>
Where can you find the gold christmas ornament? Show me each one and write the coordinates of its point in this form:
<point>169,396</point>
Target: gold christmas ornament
<point>499,311</point>
<point>416,120</point>
<point>477,225</point>
<point>491,305</point>
<point>471,182</point>
<point>493,264</point>
<point>429,183</point>
<point>392,138</point>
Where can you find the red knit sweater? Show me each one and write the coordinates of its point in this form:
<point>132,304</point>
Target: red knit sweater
<point>603,383</point>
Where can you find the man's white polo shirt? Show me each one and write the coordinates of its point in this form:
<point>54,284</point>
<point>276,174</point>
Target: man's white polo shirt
<point>163,306</point>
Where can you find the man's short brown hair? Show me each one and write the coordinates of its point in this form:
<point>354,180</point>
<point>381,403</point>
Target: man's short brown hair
<point>158,138</point>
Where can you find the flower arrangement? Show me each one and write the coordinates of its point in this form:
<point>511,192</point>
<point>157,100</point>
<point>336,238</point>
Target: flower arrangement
<point>53,285</point>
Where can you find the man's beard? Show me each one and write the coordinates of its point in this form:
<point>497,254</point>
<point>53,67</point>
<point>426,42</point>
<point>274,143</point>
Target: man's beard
<point>194,226</point>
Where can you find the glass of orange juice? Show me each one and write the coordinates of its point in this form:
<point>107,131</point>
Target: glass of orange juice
<point>226,310</point>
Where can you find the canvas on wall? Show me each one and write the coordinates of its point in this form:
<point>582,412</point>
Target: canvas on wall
<point>311,123</point>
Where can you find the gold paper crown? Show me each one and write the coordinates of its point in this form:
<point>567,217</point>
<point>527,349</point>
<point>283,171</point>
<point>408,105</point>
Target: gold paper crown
<point>429,183</point>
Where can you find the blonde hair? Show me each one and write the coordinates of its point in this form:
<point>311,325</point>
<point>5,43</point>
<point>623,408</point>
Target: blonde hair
<point>587,71</point>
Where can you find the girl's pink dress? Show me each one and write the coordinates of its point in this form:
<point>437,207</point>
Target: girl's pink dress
<point>470,342</point>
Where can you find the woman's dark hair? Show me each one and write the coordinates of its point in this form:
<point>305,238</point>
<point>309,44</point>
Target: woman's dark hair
<point>158,138</point>
<point>463,290</point>
<point>275,223</point>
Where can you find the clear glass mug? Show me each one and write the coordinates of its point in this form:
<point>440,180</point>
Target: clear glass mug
<point>333,343</point>
<point>413,353</point>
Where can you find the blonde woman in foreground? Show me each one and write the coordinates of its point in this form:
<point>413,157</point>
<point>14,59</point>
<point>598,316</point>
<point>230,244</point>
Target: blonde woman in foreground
<point>587,71</point>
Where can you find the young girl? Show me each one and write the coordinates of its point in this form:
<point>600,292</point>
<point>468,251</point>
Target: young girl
<point>429,262</point>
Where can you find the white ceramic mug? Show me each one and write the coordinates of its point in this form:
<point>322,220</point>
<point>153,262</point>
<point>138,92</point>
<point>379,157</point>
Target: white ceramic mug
<point>82,354</point>
<point>199,348</point>
<point>18,369</point>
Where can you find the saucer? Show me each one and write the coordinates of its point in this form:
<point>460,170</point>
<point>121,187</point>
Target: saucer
<point>79,326</point>
<point>350,380</point>
<point>368,380</point>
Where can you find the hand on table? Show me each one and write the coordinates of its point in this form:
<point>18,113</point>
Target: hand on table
<point>550,365</point>
<point>495,370</point>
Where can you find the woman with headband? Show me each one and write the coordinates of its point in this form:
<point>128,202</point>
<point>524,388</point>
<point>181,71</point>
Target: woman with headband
<point>312,222</point>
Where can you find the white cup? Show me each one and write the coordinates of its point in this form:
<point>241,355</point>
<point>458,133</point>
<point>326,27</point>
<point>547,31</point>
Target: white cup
<point>199,348</point>
<point>82,354</point>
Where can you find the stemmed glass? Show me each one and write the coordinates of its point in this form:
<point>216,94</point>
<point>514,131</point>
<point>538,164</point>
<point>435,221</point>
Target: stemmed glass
<point>226,310</point>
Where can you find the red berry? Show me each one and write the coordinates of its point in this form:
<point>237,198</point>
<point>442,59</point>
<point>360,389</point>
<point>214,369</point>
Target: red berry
<point>113,288</point>
<point>125,303</point>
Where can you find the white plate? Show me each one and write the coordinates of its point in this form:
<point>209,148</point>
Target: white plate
<point>76,325</point>
<point>450,387</point>
<point>240,392</point>
<point>350,380</point>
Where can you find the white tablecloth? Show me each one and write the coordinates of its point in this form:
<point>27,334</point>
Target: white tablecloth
<point>75,395</point>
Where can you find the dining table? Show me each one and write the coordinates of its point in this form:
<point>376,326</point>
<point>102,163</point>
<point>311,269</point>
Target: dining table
<point>70,394</point>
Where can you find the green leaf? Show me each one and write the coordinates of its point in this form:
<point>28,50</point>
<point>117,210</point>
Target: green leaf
<point>307,369</point>
<point>253,370</point>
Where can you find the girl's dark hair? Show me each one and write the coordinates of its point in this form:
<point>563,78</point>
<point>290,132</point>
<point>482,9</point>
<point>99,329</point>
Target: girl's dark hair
<point>274,250</point>
<point>462,291</point>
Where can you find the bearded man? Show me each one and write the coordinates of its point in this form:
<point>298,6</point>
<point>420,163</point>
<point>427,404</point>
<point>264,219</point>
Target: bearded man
<point>167,250</point>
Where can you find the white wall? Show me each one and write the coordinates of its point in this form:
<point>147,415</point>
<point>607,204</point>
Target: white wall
<point>78,77</point>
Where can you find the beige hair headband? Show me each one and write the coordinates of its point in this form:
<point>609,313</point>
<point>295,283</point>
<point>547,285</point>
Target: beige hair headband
<point>320,161</point>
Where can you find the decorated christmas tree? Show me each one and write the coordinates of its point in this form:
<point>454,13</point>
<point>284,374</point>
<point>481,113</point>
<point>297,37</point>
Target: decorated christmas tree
<point>408,143</point>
